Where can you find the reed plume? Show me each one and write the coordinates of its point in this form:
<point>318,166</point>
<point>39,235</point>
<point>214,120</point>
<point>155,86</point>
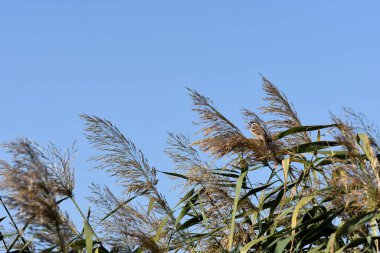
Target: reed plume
<point>280,107</point>
<point>34,185</point>
<point>358,181</point>
<point>121,158</point>
<point>222,137</point>
<point>128,227</point>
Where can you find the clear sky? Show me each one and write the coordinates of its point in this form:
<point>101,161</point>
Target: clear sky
<point>130,61</point>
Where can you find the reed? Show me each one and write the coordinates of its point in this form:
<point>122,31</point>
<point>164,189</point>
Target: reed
<point>320,192</point>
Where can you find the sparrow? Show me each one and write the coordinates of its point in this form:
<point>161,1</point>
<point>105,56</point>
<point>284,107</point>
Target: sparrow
<point>258,131</point>
<point>260,134</point>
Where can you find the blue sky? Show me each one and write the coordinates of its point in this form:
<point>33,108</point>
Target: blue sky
<point>130,61</point>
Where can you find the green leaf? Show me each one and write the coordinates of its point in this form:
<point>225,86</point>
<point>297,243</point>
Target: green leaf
<point>249,245</point>
<point>236,201</point>
<point>313,229</point>
<point>182,214</point>
<point>279,218</point>
<point>255,190</point>
<point>187,207</point>
<point>316,249</point>
<point>117,208</point>
<point>299,205</point>
<point>352,244</point>
<point>366,147</point>
<point>78,244</point>
<point>88,235</point>
<point>335,153</point>
<point>354,224</point>
<point>273,203</point>
<point>285,167</point>
<point>159,231</point>
<point>150,205</point>
<point>227,174</point>
<point>174,174</point>
<point>18,235</point>
<point>187,195</point>
<point>302,129</point>
<point>27,244</point>
<point>202,210</point>
<point>191,222</point>
<point>330,244</point>
<point>313,146</point>
<point>281,245</point>
<point>101,250</point>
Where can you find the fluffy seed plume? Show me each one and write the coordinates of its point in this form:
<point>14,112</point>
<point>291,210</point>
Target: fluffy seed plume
<point>222,137</point>
<point>360,123</point>
<point>128,226</point>
<point>33,188</point>
<point>182,153</point>
<point>121,159</point>
<point>124,161</point>
<point>280,106</point>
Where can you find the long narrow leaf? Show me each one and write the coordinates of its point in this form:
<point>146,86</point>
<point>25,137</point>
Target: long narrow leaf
<point>302,129</point>
<point>88,235</point>
<point>117,208</point>
<point>236,201</point>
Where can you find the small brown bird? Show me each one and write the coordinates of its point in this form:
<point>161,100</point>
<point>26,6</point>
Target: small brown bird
<point>265,139</point>
<point>258,131</point>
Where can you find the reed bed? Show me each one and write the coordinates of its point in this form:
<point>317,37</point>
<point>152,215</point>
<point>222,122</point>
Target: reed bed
<point>321,192</point>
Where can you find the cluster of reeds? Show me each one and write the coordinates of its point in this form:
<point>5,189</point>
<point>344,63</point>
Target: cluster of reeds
<point>320,193</point>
